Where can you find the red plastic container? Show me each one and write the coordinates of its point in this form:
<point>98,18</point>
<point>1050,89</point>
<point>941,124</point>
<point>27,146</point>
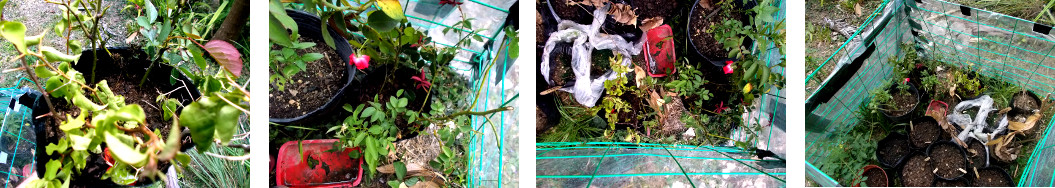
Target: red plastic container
<point>659,51</point>
<point>318,168</point>
<point>937,108</point>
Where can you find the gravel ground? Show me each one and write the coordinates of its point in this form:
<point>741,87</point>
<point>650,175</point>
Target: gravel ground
<point>40,16</point>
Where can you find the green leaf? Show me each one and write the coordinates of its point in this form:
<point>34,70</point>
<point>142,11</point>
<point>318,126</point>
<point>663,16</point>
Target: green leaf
<point>359,139</point>
<point>277,33</point>
<point>199,59</point>
<point>152,12</point>
<point>381,22</point>
<point>226,123</point>
<point>131,113</point>
<point>52,168</point>
<point>183,159</point>
<point>226,55</point>
<point>72,123</point>
<point>368,112</point>
<point>348,108</point>
<point>15,33</point>
<point>43,72</point>
<point>326,36</point>
<point>391,8</point>
<point>311,57</point>
<point>376,130</point>
<point>119,145</point>
<point>401,169</point>
<point>84,103</point>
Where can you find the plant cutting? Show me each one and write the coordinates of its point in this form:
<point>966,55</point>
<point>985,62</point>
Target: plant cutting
<point>97,104</point>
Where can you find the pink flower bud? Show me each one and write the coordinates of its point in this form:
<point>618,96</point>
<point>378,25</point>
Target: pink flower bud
<point>906,80</point>
<point>361,61</point>
<point>728,67</point>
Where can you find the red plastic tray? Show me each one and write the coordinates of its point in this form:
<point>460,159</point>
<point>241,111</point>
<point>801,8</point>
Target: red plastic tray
<point>659,51</point>
<point>318,168</point>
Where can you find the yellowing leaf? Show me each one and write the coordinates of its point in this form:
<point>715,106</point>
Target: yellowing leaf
<point>15,33</point>
<point>226,55</point>
<point>391,8</point>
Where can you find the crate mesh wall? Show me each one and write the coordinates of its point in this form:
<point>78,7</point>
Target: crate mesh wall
<point>995,45</point>
<point>581,164</point>
<point>17,138</point>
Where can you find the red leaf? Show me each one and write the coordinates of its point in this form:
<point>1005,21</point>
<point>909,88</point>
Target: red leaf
<point>226,55</point>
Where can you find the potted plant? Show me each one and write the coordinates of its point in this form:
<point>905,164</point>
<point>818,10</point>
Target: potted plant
<point>1025,102</point>
<point>924,131</point>
<point>967,86</point>
<point>873,176</point>
<point>92,103</point>
<point>892,150</point>
<point>992,177</point>
<point>897,102</point>
<point>949,160</point>
<point>737,27</point>
<point>716,29</point>
<point>295,63</point>
<point>917,171</point>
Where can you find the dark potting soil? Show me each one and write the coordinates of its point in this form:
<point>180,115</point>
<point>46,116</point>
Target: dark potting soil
<point>655,8</point>
<point>560,65</point>
<point>924,133</point>
<point>1024,102</point>
<point>876,178</point>
<point>904,102</point>
<point>991,178</point>
<point>890,153</point>
<point>916,172</point>
<point>948,161</point>
<point>976,153</point>
<point>578,13</point>
<point>310,89</point>
<point>951,183</point>
<point>705,42</point>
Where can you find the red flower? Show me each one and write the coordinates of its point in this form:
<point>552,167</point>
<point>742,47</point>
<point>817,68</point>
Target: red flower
<point>421,40</point>
<point>728,67</point>
<point>361,61</point>
<point>450,2</point>
<point>918,65</point>
<point>906,80</point>
<point>721,106</point>
<point>423,82</point>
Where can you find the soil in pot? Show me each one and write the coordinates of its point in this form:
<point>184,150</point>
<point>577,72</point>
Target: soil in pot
<point>993,177</point>
<point>560,64</point>
<point>654,8</point>
<point>875,178</point>
<point>705,42</point>
<point>577,13</point>
<point>916,172</point>
<point>892,150</point>
<point>924,131</point>
<point>948,160</point>
<point>1024,102</point>
<point>310,89</point>
<point>904,103</point>
<point>977,154</point>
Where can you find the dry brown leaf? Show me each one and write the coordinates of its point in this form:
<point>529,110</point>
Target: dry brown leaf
<point>857,9</point>
<point>594,3</point>
<point>639,76</point>
<point>706,4</point>
<point>1022,126</point>
<point>623,14</point>
<point>649,23</point>
<point>550,90</point>
<point>425,184</point>
<point>411,169</point>
<point>655,101</point>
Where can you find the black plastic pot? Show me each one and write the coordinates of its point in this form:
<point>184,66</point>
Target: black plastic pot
<point>912,110</point>
<point>105,65</point>
<point>958,182</point>
<point>901,170</point>
<point>889,141</point>
<point>716,60</point>
<point>982,160</point>
<point>916,123</point>
<point>1001,171</point>
<point>963,153</point>
<point>309,27</point>
<point>1021,110</point>
<point>628,32</point>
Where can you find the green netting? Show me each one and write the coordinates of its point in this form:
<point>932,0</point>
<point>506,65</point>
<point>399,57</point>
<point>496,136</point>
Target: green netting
<point>995,45</point>
<point>584,164</point>
<point>17,137</point>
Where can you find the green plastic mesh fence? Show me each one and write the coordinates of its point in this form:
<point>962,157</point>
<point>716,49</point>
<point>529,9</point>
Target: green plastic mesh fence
<point>1011,49</point>
<point>17,137</point>
<point>584,164</point>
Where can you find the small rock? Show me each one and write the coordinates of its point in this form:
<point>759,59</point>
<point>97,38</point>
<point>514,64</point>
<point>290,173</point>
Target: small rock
<point>689,134</point>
